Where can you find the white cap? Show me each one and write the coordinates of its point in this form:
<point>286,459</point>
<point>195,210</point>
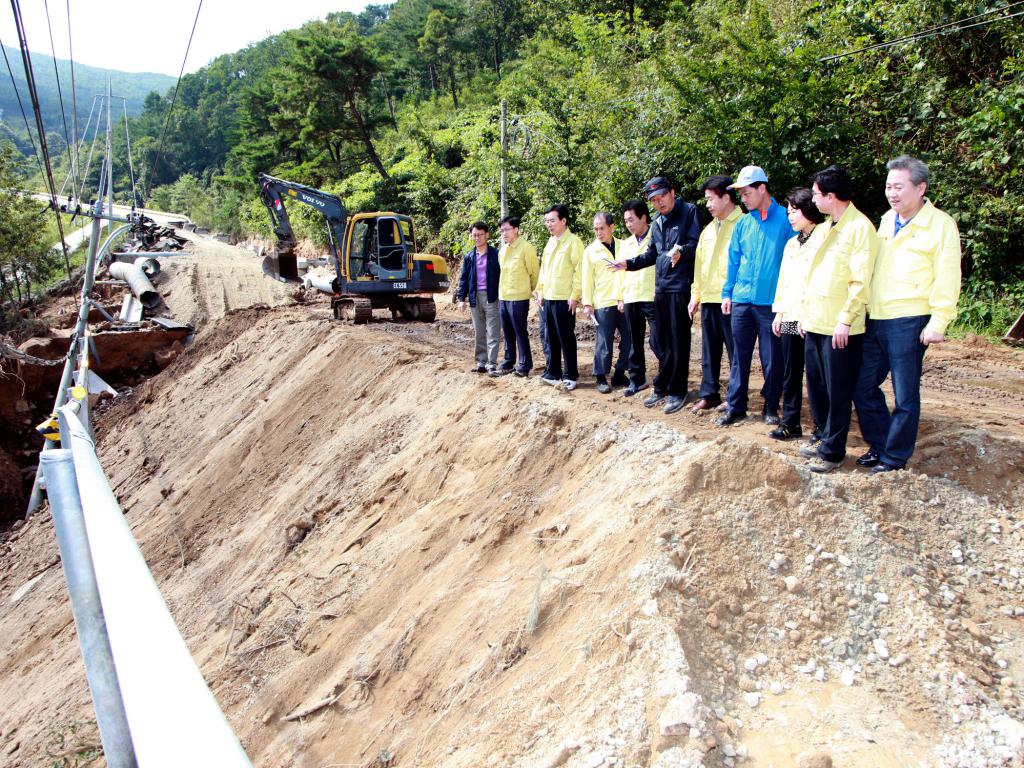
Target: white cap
<point>751,174</point>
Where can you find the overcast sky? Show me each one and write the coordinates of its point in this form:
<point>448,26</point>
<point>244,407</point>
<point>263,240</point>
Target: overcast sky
<point>150,36</point>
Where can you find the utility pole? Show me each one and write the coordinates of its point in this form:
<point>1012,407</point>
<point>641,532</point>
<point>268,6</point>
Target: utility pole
<point>110,164</point>
<point>504,155</point>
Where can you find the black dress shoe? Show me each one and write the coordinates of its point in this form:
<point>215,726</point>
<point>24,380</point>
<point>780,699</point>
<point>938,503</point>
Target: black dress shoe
<point>619,379</point>
<point>479,369</point>
<point>770,417</point>
<point>785,432</point>
<point>868,459</point>
<point>731,417</point>
<point>883,467</point>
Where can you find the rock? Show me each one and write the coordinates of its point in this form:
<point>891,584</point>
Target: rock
<point>880,597</point>
<point>595,759</point>
<point>793,585</point>
<point>681,713</point>
<point>845,561</point>
<point>814,760</point>
<point>750,664</point>
<point>776,688</point>
<point>898,660</point>
<point>677,757</point>
<point>747,684</point>
<point>846,677</point>
<point>559,758</point>
<point>795,636</point>
<point>752,699</point>
<point>881,648</point>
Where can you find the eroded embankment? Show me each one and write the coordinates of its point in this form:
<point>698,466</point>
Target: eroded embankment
<point>458,571</point>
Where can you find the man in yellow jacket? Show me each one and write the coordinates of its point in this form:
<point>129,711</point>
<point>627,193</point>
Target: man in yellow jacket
<point>636,296</point>
<point>558,293</point>
<point>914,292</point>
<point>520,269</point>
<point>832,316</point>
<point>601,288</point>
<point>712,261</point>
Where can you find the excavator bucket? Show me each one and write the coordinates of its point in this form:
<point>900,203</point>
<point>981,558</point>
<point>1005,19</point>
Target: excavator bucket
<point>1015,336</point>
<point>282,265</point>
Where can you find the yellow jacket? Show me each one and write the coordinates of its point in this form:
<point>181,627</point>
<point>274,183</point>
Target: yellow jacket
<point>520,268</point>
<point>839,274</point>
<point>560,270</point>
<point>918,270</point>
<point>712,260</point>
<point>601,285</point>
<point>637,285</point>
<point>793,274</point>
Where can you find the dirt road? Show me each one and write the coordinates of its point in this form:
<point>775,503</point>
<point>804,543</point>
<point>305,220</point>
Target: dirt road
<point>479,572</point>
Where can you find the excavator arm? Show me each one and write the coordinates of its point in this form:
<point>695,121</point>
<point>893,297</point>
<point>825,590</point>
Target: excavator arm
<point>282,264</point>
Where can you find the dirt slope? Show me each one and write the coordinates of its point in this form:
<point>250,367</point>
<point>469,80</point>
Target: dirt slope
<point>492,573</point>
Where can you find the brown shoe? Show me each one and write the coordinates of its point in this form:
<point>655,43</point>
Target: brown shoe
<point>702,405</point>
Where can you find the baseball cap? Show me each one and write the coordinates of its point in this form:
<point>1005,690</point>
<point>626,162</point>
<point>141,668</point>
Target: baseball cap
<point>751,174</point>
<point>656,186</point>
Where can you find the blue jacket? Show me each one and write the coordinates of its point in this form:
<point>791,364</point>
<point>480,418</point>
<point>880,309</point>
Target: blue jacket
<point>755,256</point>
<point>680,226</point>
<point>467,279</point>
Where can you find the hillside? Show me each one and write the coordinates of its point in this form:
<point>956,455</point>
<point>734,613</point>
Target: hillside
<point>470,572</point>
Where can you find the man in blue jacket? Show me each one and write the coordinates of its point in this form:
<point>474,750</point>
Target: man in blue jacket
<point>478,283</point>
<point>672,247</point>
<point>755,256</point>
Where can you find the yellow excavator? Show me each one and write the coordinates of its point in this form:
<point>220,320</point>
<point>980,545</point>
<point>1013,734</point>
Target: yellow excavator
<point>374,256</point>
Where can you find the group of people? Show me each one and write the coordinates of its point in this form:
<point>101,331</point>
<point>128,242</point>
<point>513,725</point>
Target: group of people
<point>814,285</point>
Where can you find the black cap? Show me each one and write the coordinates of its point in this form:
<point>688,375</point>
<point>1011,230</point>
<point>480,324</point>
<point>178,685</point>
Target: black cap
<point>656,186</point>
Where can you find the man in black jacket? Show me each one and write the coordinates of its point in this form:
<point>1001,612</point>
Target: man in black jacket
<point>673,246</point>
<point>478,283</point>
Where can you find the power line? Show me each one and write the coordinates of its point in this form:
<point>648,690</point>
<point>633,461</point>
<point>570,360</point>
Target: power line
<point>128,142</point>
<point>56,75</point>
<point>21,106</point>
<point>74,99</point>
<point>940,29</point>
<point>174,97</point>
<point>30,79</point>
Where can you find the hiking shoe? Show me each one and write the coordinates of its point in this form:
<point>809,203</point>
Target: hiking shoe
<point>785,432</point>
<point>633,388</point>
<point>731,417</point>
<point>568,385</point>
<point>674,404</point>
<point>823,466</point>
<point>498,372</point>
<point>521,374</point>
<point>653,400</point>
<point>809,451</point>
<point>603,386</point>
<point>869,459</point>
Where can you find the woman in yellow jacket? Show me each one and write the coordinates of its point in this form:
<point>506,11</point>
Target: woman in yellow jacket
<point>833,314</point>
<point>811,230</point>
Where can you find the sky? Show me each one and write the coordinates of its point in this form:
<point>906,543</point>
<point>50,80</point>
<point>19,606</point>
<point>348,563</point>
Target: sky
<point>150,36</point>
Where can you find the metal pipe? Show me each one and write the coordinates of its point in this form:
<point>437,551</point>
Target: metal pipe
<point>69,525</point>
<point>174,718</point>
<point>148,264</point>
<point>137,281</point>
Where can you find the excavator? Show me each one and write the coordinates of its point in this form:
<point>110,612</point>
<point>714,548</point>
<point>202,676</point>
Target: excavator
<point>374,256</point>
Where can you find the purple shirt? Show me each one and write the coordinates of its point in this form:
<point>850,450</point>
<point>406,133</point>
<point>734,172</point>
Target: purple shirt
<point>481,273</point>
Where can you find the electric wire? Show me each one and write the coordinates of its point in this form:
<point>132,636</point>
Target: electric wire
<point>30,79</point>
<point>56,75</point>
<point>128,142</point>
<point>92,145</point>
<point>939,29</point>
<point>170,109</point>
<point>74,99</point>
<point>17,93</point>
<point>78,143</point>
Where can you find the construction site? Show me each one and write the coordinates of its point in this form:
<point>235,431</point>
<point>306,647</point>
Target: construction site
<point>379,558</point>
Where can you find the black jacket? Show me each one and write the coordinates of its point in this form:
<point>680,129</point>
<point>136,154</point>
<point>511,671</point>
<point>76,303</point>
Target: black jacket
<point>467,279</point>
<point>682,226</point>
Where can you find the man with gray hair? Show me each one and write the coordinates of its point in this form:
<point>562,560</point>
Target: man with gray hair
<point>913,296</point>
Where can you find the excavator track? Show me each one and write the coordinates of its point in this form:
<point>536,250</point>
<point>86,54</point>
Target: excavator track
<point>353,309</point>
<point>424,310</point>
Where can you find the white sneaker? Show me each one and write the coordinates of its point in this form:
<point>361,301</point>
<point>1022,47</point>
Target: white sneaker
<point>568,385</point>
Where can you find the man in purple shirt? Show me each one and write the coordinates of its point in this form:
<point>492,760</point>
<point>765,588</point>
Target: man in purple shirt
<point>478,284</point>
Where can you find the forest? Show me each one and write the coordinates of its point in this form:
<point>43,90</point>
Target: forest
<point>397,108</point>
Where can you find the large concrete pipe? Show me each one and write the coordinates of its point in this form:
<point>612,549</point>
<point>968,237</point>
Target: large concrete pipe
<point>137,281</point>
<point>321,282</point>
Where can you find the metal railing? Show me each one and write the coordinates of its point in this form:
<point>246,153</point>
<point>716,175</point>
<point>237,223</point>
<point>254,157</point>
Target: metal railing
<point>153,708</point>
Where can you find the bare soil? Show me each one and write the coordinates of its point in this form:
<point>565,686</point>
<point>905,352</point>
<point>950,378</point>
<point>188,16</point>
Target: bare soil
<point>483,572</point>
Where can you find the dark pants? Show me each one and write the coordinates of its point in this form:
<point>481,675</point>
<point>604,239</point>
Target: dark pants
<point>673,319</point>
<point>543,323</point>
<point>610,320</point>
<point>753,323</point>
<point>831,379</point>
<point>891,346</point>
<point>640,314</point>
<point>792,345</point>
<point>517,338</point>
<point>561,330</point>
<point>716,333</point>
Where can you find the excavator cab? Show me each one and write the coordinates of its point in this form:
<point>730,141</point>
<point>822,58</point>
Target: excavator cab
<point>380,247</point>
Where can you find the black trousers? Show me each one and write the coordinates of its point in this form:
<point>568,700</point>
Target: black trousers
<point>561,334</point>
<point>640,314</point>
<point>831,378</point>
<point>792,379</point>
<point>716,334</point>
<point>673,319</point>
